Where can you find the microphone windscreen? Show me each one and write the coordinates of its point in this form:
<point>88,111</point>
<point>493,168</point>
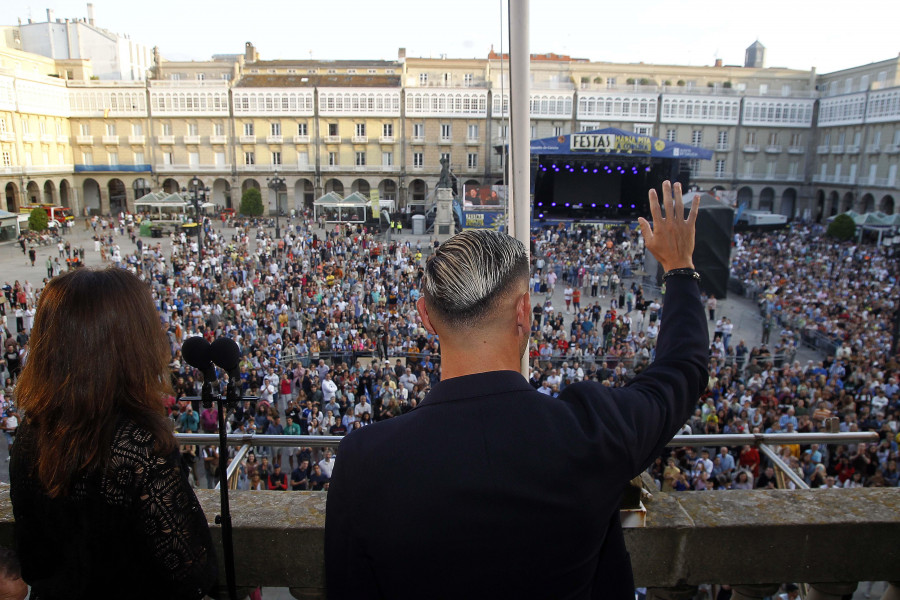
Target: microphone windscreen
<point>195,351</point>
<point>225,353</point>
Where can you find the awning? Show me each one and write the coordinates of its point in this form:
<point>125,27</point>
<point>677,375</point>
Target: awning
<point>161,200</point>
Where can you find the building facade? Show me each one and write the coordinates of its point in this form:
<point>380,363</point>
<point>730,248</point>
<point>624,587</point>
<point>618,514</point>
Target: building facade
<point>792,141</point>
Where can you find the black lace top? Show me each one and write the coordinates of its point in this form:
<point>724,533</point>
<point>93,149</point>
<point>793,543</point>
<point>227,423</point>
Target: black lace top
<point>132,530</point>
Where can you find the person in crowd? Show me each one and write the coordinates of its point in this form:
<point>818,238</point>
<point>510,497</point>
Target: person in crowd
<point>95,443</point>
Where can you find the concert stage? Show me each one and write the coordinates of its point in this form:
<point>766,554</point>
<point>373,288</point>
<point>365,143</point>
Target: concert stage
<point>604,175</point>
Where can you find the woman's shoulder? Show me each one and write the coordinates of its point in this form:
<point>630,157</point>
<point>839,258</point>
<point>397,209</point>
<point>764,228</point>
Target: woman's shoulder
<point>133,443</point>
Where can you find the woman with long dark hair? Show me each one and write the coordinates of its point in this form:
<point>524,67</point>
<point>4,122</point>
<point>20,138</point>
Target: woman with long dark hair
<point>100,495</point>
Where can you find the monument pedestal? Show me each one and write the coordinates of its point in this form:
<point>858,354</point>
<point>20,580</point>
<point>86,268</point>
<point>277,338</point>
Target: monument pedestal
<point>443,219</point>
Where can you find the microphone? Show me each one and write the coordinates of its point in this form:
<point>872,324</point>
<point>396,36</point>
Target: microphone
<point>196,352</point>
<point>227,355</point>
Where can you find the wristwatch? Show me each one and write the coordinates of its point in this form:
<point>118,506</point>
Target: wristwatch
<point>685,272</point>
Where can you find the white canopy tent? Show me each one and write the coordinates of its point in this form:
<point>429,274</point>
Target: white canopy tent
<point>337,209</point>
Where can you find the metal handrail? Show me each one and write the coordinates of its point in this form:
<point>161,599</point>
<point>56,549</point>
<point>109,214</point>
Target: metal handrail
<point>737,439</point>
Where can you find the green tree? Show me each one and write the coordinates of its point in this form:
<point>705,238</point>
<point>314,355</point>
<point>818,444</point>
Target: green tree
<point>251,203</point>
<point>842,228</point>
<point>38,220</point>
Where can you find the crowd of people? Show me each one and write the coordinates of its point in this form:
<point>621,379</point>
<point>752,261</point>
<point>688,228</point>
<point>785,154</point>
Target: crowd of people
<point>331,341</point>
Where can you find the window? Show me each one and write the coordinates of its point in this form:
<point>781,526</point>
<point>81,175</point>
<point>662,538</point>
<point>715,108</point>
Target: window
<point>360,130</point>
<point>643,129</point>
<point>387,159</point>
<point>796,139</point>
<point>168,159</point>
<point>85,129</point>
<point>371,71</point>
<point>423,78</point>
<point>786,89</point>
<point>387,130</point>
<point>446,79</point>
<point>302,130</point>
<point>722,140</point>
<point>557,131</point>
<point>220,159</point>
<point>472,160</point>
<point>770,169</point>
<point>24,125</point>
<point>201,76</point>
<point>7,159</point>
<point>110,129</point>
<point>42,126</point>
<point>793,169</point>
<point>332,159</point>
<point>360,159</point>
<point>193,129</point>
<point>419,130</point>
<point>165,129</point>
<point>112,158</point>
<point>504,132</point>
<point>59,129</point>
<point>418,160</point>
<point>751,138</point>
<point>610,82</point>
<point>445,132</point>
<point>194,159</point>
<point>275,129</point>
<point>249,158</point>
<point>333,129</point>
<point>139,158</point>
<point>276,158</point>
<point>351,71</point>
<point>763,89</point>
<point>473,132</point>
<point>876,141</point>
<point>534,131</point>
<point>896,141</point>
<point>219,129</point>
<point>303,159</point>
<point>696,137</point>
<point>88,159</point>
<point>445,156</point>
<point>670,135</point>
<point>248,130</point>
<point>468,79</point>
<point>773,138</point>
<point>137,129</point>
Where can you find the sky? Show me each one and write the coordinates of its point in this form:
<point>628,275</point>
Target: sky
<point>798,34</point>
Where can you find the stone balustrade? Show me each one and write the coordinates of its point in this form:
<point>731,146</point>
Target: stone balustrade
<point>753,540</point>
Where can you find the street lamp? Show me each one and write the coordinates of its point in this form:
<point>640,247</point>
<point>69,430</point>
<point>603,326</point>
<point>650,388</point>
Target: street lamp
<point>199,194</point>
<point>275,183</point>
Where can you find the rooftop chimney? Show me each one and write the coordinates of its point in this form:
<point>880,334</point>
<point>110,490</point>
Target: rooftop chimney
<point>49,15</point>
<point>718,62</point>
<point>401,54</point>
<point>90,8</point>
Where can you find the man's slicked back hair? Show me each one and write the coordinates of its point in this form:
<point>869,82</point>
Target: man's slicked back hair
<point>469,272</point>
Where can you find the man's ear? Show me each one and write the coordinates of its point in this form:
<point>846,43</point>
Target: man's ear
<point>423,314</point>
<point>523,312</point>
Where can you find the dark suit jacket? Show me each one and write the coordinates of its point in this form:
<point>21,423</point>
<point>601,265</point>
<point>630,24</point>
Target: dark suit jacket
<point>490,489</point>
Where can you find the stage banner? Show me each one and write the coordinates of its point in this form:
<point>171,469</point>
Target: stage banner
<point>376,204</point>
<point>483,219</point>
<point>493,196</point>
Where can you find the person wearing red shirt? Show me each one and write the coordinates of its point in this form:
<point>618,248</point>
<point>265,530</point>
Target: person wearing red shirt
<point>749,459</point>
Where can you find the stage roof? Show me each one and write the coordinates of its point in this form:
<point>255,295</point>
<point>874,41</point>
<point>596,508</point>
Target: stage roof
<point>616,143</point>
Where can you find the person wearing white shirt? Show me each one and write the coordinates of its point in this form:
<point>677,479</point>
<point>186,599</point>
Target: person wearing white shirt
<point>329,388</point>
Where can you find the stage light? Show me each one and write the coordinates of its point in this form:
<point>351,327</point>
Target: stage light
<point>593,205</point>
<point>595,170</point>
<point>541,216</point>
<point>647,169</point>
<point>632,206</point>
<point>553,204</point>
<point>606,206</point>
<point>554,165</point>
<point>541,204</point>
<point>620,206</point>
<point>567,205</point>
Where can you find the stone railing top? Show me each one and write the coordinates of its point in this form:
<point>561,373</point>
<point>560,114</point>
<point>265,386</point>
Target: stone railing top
<point>733,537</point>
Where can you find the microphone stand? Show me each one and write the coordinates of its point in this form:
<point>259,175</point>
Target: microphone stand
<point>233,395</point>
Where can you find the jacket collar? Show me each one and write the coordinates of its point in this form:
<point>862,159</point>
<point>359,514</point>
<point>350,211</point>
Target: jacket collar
<point>477,385</point>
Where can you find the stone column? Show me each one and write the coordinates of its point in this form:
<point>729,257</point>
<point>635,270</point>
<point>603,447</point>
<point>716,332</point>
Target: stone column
<point>104,199</point>
<point>443,220</point>
<point>754,591</point>
<point>681,592</point>
<point>830,591</point>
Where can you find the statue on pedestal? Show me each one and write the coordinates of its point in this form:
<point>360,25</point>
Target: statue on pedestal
<point>444,181</point>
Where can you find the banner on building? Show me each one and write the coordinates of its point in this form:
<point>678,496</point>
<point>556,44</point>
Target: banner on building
<point>493,196</point>
<point>485,219</point>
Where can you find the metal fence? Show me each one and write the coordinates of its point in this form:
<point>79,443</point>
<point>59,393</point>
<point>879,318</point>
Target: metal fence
<point>763,441</point>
